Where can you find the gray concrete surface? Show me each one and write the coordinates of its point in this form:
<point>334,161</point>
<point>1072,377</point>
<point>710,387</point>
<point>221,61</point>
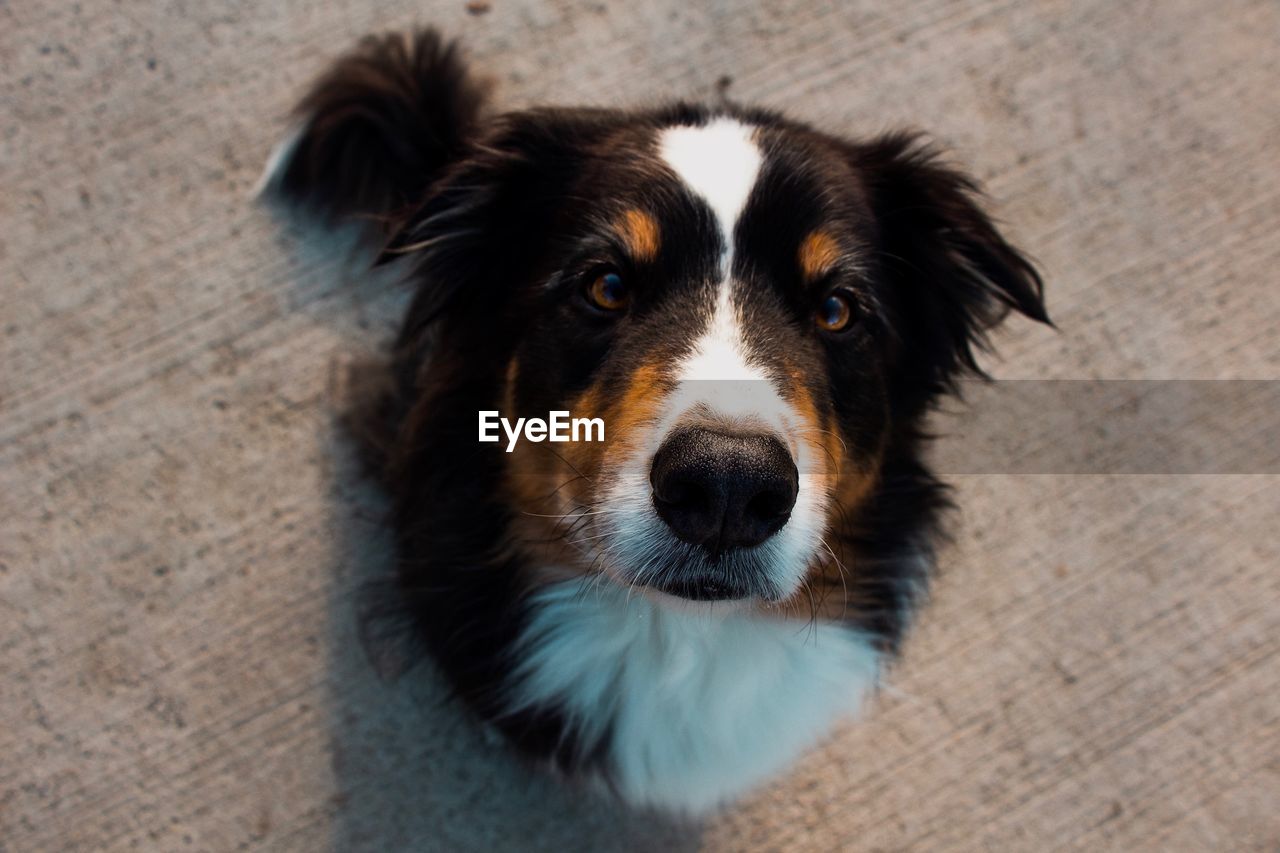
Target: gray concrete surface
<point>181,528</point>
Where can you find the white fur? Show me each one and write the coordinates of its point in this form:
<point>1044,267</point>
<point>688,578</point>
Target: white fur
<point>276,162</point>
<point>699,702</point>
<point>719,161</point>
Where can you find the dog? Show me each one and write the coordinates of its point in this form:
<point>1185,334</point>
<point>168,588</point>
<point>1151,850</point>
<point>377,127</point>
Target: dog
<point>760,314</point>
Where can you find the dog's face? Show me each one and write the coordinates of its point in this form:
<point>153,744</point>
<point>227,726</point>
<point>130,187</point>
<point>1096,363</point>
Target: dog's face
<point>759,314</point>
<point>712,307</point>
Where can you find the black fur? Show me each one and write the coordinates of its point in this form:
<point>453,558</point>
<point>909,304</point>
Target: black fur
<point>958,276</point>
<point>500,221</point>
<point>380,125</point>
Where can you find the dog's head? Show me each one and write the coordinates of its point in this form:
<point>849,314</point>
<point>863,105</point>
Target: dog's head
<point>759,313</point>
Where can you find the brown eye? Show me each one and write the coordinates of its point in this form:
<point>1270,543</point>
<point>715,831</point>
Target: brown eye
<point>608,292</point>
<point>836,313</point>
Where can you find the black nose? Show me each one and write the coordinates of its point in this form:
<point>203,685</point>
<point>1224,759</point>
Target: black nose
<point>723,491</point>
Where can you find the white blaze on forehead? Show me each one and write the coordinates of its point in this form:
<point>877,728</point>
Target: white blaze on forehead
<point>719,161</point>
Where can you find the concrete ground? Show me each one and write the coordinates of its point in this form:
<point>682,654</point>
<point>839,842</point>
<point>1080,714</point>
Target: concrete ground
<point>182,528</point>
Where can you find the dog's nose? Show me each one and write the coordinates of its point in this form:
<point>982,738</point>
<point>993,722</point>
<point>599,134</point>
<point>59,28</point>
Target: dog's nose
<point>721,491</point>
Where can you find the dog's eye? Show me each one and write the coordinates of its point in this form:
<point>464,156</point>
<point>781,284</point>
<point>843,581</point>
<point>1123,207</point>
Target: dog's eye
<point>836,313</point>
<point>608,292</point>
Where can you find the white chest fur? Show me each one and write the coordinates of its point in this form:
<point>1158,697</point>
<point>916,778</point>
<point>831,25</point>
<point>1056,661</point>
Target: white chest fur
<point>699,702</point>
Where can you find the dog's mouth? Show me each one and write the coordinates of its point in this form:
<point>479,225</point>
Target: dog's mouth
<point>660,564</point>
<point>704,588</point>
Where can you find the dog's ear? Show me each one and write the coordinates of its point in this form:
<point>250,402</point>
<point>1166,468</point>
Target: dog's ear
<point>488,222</point>
<point>954,276</point>
<point>378,127</point>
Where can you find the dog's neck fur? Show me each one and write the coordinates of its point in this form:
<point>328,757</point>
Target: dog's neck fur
<point>690,706</point>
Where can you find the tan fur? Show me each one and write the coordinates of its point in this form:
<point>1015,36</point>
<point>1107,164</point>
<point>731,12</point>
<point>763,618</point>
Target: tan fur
<point>640,234</point>
<point>830,587</point>
<point>819,252</point>
<point>552,485</point>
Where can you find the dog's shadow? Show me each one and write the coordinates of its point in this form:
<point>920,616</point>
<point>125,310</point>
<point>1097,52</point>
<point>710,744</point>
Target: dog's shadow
<point>411,770</point>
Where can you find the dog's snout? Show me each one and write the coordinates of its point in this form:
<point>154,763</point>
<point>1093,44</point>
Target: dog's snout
<point>721,491</point>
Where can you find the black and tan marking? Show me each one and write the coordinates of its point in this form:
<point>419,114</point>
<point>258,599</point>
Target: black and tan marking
<point>505,221</point>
